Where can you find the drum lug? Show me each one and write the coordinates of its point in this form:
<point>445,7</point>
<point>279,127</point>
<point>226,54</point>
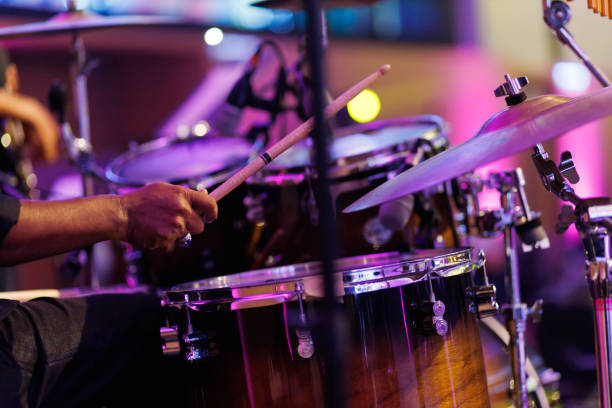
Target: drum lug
<point>433,317</point>
<point>305,346</point>
<point>196,343</point>
<point>440,325</point>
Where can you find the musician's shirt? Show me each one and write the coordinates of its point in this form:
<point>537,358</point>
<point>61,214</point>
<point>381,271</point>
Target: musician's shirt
<point>9,213</point>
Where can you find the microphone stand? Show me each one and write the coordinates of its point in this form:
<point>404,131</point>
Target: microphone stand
<point>334,349</point>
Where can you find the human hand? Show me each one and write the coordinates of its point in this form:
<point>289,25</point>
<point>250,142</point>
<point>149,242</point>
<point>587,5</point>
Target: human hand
<point>159,214</point>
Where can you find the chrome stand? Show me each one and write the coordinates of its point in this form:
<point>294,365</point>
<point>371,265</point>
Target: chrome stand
<point>593,219</point>
<point>596,239</point>
<point>516,215</point>
<point>514,218</point>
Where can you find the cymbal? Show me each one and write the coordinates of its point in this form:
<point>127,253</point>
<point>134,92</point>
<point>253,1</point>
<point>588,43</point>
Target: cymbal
<point>510,131</point>
<point>297,5</point>
<point>80,21</point>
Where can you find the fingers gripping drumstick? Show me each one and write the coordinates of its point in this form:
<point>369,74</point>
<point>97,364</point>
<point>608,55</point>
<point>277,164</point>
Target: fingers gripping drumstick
<point>292,138</point>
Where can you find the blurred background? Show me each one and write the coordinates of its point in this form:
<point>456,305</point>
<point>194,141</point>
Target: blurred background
<point>447,58</point>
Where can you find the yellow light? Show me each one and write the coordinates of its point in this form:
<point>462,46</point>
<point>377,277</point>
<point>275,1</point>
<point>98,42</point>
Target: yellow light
<point>364,107</point>
<point>5,140</point>
<point>201,128</point>
<point>213,36</point>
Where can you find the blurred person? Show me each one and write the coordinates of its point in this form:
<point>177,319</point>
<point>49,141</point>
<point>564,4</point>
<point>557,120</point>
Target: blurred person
<point>31,129</point>
<point>94,351</point>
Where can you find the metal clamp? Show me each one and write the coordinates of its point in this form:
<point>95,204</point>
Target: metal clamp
<point>171,346</point>
<point>305,346</point>
<point>483,297</point>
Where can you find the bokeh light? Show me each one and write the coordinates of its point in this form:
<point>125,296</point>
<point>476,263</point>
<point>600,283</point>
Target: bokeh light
<point>213,36</point>
<point>571,77</point>
<point>364,107</point>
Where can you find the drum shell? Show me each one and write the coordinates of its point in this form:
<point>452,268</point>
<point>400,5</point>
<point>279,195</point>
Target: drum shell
<point>287,213</point>
<point>391,360</point>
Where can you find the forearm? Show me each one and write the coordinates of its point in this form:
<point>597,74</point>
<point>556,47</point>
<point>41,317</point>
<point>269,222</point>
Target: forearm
<point>46,228</point>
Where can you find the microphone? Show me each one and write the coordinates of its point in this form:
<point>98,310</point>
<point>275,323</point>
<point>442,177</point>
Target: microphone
<point>225,119</point>
<point>395,214</point>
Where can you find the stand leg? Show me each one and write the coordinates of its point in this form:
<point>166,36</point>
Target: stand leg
<point>516,317</point>
<point>598,276</point>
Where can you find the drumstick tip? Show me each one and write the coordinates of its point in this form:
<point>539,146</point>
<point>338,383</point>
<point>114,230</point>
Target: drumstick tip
<point>384,69</point>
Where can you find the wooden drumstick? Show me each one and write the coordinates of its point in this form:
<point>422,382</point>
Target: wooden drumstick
<point>292,138</point>
<point>286,142</point>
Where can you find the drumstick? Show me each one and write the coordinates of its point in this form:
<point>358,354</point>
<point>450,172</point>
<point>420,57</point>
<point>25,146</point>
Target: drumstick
<point>292,138</point>
<point>286,142</point>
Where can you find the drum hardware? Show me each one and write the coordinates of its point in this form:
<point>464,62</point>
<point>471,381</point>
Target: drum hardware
<point>543,386</point>
<point>556,15</point>
<point>171,346</point>
<point>483,297</point>
<point>433,313</point>
<point>306,347</point>
<point>197,344</point>
<point>510,187</point>
<point>593,220</point>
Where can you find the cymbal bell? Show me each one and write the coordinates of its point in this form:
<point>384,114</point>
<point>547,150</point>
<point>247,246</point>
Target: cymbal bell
<point>297,5</point>
<point>80,21</point>
<point>510,131</point>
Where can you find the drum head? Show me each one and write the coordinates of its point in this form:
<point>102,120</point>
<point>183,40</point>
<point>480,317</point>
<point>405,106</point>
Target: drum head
<point>357,148</point>
<point>178,161</point>
<point>355,275</point>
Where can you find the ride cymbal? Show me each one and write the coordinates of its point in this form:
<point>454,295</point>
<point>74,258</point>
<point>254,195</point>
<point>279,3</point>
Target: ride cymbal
<point>508,132</point>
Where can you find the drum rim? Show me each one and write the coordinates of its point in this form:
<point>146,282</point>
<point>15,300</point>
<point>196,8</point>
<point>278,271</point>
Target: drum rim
<point>111,170</point>
<point>349,165</point>
<point>357,274</point>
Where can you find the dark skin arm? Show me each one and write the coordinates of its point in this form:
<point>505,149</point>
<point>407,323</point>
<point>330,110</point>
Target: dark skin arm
<point>153,217</point>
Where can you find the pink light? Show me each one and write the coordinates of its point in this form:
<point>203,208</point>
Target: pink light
<point>287,330</point>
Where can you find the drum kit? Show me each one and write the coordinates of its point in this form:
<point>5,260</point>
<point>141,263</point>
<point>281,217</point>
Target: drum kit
<point>247,302</point>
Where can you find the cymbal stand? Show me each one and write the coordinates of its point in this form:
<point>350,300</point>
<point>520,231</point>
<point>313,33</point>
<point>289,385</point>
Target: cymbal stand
<point>556,15</point>
<point>593,220</point>
<point>517,218</point>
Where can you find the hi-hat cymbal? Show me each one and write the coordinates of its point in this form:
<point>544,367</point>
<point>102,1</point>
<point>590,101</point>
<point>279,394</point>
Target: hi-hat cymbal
<point>508,132</point>
<point>297,5</point>
<point>80,21</point>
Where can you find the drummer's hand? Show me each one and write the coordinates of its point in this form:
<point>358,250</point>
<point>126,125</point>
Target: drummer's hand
<point>159,214</point>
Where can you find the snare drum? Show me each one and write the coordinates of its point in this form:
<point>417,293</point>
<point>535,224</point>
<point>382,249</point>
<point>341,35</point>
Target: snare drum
<point>252,339</point>
<point>199,162</point>
<point>281,197</point>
